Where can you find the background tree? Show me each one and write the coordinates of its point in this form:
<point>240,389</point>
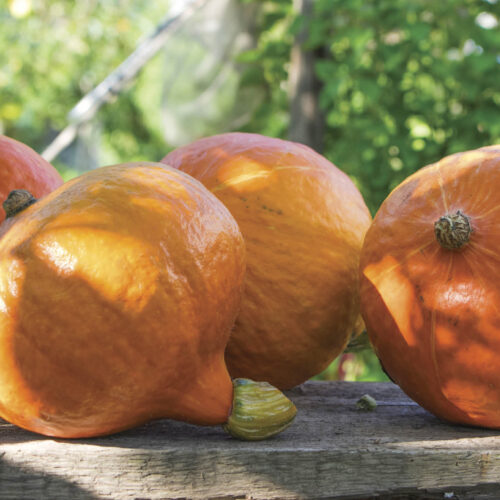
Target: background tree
<point>404,83</point>
<point>307,121</point>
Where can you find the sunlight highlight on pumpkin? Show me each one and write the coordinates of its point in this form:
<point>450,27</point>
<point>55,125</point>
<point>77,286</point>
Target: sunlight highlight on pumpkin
<point>61,259</point>
<point>398,295</point>
<point>457,296</point>
<point>129,281</point>
<point>3,307</point>
<point>243,175</point>
<point>15,276</point>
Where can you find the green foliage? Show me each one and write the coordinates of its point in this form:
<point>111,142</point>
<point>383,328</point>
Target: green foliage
<point>53,52</point>
<point>404,83</point>
<point>361,366</point>
<point>267,66</point>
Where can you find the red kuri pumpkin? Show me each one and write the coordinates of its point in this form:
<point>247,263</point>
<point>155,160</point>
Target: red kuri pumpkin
<point>23,168</point>
<point>303,221</point>
<point>118,292</point>
<point>430,298</point>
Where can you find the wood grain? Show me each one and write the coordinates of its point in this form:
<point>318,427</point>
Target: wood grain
<point>333,450</point>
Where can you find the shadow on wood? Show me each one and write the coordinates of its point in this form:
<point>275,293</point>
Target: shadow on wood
<point>22,482</point>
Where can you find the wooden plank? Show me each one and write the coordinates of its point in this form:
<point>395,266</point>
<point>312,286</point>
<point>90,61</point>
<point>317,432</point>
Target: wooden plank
<point>333,450</point>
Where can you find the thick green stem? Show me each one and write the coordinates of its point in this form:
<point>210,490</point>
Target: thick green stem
<point>259,411</point>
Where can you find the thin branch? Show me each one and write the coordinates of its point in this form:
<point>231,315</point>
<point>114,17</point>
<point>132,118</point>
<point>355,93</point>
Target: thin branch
<point>116,81</point>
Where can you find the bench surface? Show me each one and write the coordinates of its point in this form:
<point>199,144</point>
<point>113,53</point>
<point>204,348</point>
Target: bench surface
<point>332,450</point>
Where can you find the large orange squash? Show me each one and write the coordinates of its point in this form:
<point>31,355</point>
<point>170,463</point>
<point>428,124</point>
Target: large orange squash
<point>23,168</point>
<point>430,269</point>
<point>303,221</point>
<point>117,295</point>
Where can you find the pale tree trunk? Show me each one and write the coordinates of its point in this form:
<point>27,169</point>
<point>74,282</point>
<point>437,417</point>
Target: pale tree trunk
<point>306,119</point>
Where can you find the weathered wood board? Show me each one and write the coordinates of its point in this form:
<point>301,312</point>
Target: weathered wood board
<point>333,450</point>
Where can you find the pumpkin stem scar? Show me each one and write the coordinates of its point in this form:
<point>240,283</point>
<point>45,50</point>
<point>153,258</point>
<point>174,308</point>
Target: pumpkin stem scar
<point>453,230</point>
<point>259,411</point>
<point>16,201</point>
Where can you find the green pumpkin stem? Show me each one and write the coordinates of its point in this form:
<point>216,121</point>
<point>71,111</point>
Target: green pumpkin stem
<point>453,230</point>
<point>16,201</point>
<point>259,411</point>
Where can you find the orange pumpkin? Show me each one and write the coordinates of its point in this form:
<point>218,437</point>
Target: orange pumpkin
<point>429,288</point>
<point>23,168</point>
<point>303,221</point>
<point>117,295</point>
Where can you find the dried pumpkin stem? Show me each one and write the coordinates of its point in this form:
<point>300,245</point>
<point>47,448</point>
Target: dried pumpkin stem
<point>16,201</point>
<point>453,230</point>
<point>259,411</point>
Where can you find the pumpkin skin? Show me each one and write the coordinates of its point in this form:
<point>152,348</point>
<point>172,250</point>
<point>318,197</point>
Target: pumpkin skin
<point>118,292</point>
<point>303,221</point>
<point>23,168</point>
<point>432,312</point>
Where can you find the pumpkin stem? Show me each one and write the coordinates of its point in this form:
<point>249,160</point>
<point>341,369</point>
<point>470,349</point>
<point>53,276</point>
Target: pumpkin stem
<point>259,410</point>
<point>453,230</point>
<point>16,201</point>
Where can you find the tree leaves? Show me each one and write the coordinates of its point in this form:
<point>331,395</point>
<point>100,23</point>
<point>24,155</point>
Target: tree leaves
<point>420,78</point>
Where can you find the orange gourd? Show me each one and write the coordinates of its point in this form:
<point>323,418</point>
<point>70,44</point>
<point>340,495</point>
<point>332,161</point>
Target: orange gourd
<point>303,221</point>
<point>118,292</point>
<point>429,287</point>
<point>23,168</point>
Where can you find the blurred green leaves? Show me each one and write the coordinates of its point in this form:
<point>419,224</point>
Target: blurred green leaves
<point>53,52</point>
<point>404,83</point>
